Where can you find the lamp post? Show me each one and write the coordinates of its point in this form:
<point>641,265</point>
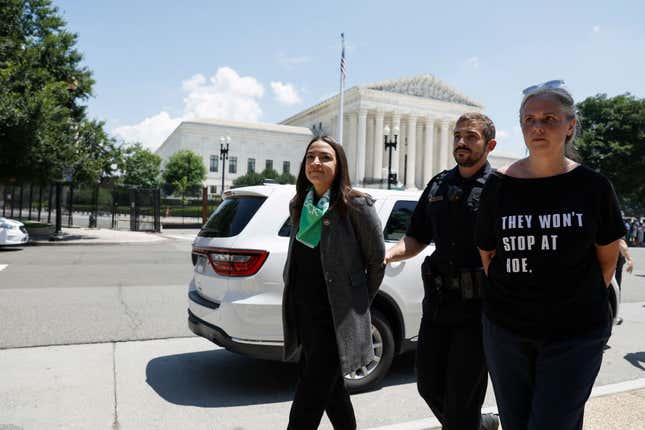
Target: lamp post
<point>223,155</point>
<point>390,143</point>
<point>66,173</point>
<point>65,176</point>
<point>58,230</point>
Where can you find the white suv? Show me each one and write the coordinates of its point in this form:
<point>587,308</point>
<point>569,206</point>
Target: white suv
<point>235,296</point>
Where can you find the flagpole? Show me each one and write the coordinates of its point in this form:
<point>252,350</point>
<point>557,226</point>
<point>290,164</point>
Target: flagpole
<point>342,83</point>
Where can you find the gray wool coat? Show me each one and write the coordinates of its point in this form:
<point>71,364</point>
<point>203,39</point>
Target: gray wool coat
<point>351,254</point>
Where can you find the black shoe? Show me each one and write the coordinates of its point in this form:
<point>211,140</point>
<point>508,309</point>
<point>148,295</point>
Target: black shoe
<point>489,422</point>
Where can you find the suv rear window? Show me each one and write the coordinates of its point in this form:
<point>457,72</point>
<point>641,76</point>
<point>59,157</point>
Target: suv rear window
<point>231,216</point>
<point>399,220</point>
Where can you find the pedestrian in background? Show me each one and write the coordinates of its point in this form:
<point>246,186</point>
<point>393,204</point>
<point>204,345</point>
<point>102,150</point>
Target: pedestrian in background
<point>623,258</point>
<point>333,270</point>
<point>548,231</point>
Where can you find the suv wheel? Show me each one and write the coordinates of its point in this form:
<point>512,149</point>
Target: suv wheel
<point>368,376</point>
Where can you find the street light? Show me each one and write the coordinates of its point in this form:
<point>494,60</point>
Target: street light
<point>389,145</point>
<point>65,174</point>
<point>223,155</point>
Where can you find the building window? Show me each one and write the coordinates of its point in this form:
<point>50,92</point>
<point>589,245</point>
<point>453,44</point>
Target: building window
<point>286,167</point>
<point>214,163</point>
<point>269,165</point>
<point>250,165</point>
<point>213,189</point>
<point>232,165</point>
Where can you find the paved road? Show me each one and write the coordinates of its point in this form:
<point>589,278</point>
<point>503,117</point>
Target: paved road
<point>85,294</point>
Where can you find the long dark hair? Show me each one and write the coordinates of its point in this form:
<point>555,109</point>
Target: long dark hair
<point>341,191</point>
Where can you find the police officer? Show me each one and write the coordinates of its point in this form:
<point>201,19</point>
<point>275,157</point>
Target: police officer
<point>451,367</point>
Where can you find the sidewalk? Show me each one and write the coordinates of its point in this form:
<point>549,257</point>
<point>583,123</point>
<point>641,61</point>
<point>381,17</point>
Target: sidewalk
<point>622,410</point>
<point>95,236</point>
<point>175,383</point>
<point>616,406</point>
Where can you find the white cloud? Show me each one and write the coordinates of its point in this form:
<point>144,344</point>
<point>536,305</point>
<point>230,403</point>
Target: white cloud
<point>509,140</point>
<point>151,132</point>
<point>502,134</point>
<point>285,93</point>
<point>225,95</point>
<point>290,62</point>
<point>473,62</point>
<point>596,29</point>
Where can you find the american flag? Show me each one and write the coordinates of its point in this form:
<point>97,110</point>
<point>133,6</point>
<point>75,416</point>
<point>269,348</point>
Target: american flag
<point>343,64</point>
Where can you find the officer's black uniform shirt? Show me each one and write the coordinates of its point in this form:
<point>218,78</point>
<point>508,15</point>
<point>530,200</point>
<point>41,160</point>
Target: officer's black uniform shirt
<point>450,225</point>
<point>446,216</point>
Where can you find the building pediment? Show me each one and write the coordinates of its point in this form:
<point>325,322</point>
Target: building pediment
<point>424,86</point>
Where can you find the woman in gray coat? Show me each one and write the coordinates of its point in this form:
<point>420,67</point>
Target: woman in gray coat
<point>334,268</point>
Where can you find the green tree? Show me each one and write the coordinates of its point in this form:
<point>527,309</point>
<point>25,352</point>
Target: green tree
<point>249,179</point>
<point>253,178</point>
<point>269,174</point>
<point>286,178</point>
<point>613,142</point>
<point>43,124</point>
<point>141,168</point>
<point>184,164</point>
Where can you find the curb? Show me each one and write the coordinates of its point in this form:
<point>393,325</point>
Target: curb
<point>71,243</point>
<point>434,424</point>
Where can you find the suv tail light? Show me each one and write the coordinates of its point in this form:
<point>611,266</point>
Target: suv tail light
<point>234,262</point>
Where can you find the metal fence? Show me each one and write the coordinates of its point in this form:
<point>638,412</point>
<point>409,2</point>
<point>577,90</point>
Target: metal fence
<point>99,205</point>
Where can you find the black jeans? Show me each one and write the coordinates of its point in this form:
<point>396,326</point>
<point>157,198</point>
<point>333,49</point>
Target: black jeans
<point>321,386</point>
<point>542,384</point>
<point>451,372</point>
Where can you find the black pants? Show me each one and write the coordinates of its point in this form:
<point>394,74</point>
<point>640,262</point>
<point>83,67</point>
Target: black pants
<point>542,383</point>
<point>321,387</point>
<point>451,372</point>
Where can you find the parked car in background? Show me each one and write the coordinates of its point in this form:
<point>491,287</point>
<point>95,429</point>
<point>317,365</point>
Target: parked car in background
<point>235,296</point>
<point>12,232</point>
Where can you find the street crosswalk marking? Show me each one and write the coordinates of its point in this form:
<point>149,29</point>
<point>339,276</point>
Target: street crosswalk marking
<point>3,266</point>
<point>176,236</point>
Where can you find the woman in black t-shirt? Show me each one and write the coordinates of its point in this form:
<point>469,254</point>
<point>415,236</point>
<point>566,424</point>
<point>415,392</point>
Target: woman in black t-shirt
<point>548,231</point>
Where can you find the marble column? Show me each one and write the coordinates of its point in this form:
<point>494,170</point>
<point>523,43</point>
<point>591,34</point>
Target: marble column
<point>332,130</point>
<point>369,147</point>
<point>360,146</point>
<point>428,151</point>
<point>411,150</point>
<point>450,159</point>
<point>403,151</point>
<point>377,169</point>
<point>350,142</point>
<point>445,146</point>
<point>418,178</point>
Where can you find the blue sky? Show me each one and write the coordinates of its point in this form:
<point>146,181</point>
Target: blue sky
<point>156,62</point>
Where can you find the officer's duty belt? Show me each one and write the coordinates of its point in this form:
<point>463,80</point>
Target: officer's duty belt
<point>469,282</point>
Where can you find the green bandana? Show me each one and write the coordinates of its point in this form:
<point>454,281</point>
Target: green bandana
<point>310,219</point>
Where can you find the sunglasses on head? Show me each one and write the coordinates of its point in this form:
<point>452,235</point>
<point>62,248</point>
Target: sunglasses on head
<point>556,83</point>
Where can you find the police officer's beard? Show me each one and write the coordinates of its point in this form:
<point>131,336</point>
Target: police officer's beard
<point>469,161</point>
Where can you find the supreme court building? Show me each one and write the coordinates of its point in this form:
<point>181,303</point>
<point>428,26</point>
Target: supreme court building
<point>422,108</point>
